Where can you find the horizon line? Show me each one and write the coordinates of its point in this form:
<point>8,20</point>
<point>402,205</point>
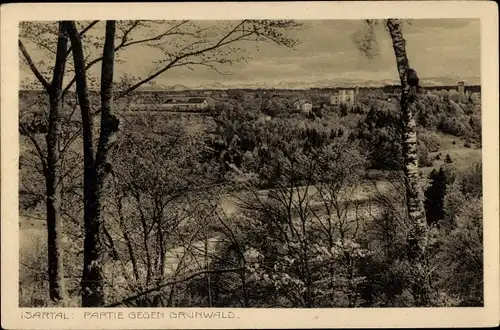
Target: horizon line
<point>258,88</point>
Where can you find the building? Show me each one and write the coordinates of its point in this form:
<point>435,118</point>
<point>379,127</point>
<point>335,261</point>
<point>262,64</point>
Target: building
<point>461,92</point>
<point>303,106</point>
<point>334,99</point>
<point>193,103</point>
<point>343,96</point>
<point>222,94</point>
<point>175,104</point>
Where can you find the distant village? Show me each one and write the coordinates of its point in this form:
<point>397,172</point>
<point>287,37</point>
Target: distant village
<point>200,101</point>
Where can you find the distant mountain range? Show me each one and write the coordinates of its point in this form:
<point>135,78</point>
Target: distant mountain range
<point>324,83</point>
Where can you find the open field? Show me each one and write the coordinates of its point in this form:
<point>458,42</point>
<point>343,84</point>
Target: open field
<point>462,156</point>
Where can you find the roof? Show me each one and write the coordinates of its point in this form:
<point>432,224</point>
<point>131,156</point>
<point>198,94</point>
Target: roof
<point>196,100</point>
<point>303,101</point>
<point>192,100</point>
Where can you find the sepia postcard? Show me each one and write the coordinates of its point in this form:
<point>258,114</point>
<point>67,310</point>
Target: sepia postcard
<point>249,165</point>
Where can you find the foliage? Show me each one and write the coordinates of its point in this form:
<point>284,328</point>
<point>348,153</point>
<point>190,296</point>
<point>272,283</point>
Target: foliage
<point>462,239</point>
<point>246,137</point>
<point>441,113</point>
<point>380,133</point>
<point>210,47</point>
<point>423,155</point>
<point>275,106</point>
<point>454,252</point>
<point>369,263</point>
<point>430,139</point>
<point>434,196</point>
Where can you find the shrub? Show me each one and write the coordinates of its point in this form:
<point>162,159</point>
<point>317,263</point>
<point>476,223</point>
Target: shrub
<point>423,156</point>
<point>454,126</point>
<point>431,140</point>
<point>434,196</point>
<point>33,274</point>
<point>472,181</point>
<point>458,254</point>
<point>476,125</point>
<point>387,234</point>
<point>462,251</point>
<point>448,159</point>
<point>33,277</point>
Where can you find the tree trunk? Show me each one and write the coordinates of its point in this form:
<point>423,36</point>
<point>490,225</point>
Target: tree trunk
<point>53,206</point>
<point>417,239</point>
<point>92,280</point>
<point>57,290</point>
<point>96,169</point>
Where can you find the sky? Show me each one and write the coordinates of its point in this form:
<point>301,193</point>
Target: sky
<point>326,51</point>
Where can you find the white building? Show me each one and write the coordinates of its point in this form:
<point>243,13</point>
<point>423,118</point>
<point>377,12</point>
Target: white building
<point>334,99</point>
<point>303,105</point>
<point>343,96</point>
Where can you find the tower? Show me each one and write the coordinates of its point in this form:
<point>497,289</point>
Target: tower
<point>350,98</point>
<point>461,91</point>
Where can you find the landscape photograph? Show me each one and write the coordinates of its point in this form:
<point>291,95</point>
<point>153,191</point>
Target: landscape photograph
<point>251,163</point>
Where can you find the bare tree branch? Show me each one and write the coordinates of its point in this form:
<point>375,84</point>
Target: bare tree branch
<point>167,67</point>
<point>207,64</point>
<point>124,44</point>
<point>155,38</point>
<point>225,40</point>
<point>37,147</point>
<point>88,27</point>
<point>33,67</point>
<point>184,279</point>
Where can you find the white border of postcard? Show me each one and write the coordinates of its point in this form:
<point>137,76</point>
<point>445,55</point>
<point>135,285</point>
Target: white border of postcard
<point>11,314</point>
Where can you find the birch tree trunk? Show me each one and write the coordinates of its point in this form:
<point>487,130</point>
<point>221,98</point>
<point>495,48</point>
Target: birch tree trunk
<point>417,239</point>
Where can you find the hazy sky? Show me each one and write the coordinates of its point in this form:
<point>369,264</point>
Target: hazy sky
<point>436,48</point>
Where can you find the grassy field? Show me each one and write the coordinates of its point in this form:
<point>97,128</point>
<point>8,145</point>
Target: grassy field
<point>461,155</point>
